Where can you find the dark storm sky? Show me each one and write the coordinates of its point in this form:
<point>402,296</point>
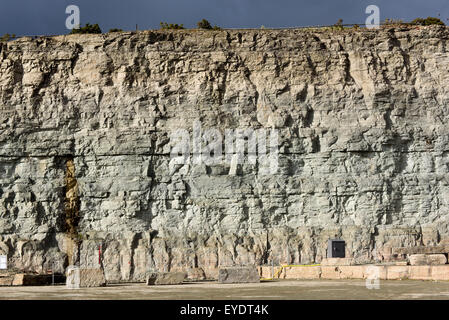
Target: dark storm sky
<point>36,17</point>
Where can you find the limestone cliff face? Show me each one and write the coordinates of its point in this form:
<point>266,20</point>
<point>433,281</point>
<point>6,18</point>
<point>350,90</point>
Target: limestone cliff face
<point>85,125</point>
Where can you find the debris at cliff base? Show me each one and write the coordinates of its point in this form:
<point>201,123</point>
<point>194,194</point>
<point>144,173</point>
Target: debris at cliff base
<point>165,278</point>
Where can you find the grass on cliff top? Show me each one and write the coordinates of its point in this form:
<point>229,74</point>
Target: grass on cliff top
<point>339,26</point>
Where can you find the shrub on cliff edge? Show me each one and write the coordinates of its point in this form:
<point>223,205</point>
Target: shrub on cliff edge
<point>393,22</point>
<point>171,26</point>
<point>88,28</point>
<point>204,24</point>
<point>417,22</point>
<point>339,24</point>
<point>427,22</point>
<point>6,37</point>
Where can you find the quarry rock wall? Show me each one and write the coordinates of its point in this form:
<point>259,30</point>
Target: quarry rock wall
<point>85,125</point>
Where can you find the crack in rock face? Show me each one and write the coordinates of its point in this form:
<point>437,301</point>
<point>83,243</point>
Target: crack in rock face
<point>72,203</point>
<point>85,126</point>
<point>71,199</point>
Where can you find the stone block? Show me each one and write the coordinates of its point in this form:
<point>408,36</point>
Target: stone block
<point>330,272</point>
<point>85,278</point>
<point>238,275</point>
<point>418,260</point>
<point>440,272</point>
<point>436,259</point>
<point>6,281</point>
<point>397,272</point>
<point>337,262</point>
<point>165,278</point>
<point>265,271</point>
<point>420,273</point>
<point>302,272</point>
<point>427,259</point>
<point>352,272</point>
<point>23,279</point>
<point>92,278</point>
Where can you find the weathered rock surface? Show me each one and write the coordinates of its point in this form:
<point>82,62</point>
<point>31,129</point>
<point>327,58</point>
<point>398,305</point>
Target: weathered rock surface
<point>196,274</point>
<point>422,250</point>
<point>85,122</point>
<point>238,275</point>
<point>165,278</point>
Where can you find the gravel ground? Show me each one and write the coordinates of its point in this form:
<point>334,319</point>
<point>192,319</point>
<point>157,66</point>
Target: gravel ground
<point>277,290</point>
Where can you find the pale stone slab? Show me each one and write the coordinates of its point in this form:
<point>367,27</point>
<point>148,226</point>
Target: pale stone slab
<point>440,272</point>
<point>330,272</point>
<point>302,272</point>
<point>427,259</point>
<point>397,272</point>
<point>381,272</point>
<point>6,281</point>
<point>418,259</point>
<point>352,272</point>
<point>238,275</point>
<point>420,273</point>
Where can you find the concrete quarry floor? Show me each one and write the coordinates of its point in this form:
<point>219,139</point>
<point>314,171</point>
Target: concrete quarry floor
<point>266,290</point>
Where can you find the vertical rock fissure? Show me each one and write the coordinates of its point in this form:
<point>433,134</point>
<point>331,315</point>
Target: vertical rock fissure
<point>71,208</point>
